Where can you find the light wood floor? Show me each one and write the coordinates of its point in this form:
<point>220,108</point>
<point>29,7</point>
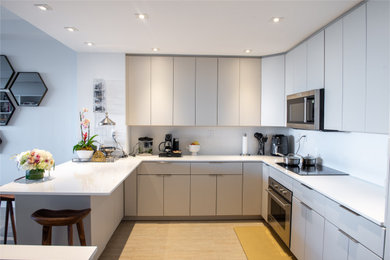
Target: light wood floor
<point>176,240</point>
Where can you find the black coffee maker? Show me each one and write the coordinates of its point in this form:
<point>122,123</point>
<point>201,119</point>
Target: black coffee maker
<point>170,147</point>
<point>279,145</point>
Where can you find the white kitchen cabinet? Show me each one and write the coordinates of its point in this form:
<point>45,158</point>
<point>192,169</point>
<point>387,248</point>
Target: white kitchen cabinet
<point>333,76</point>
<point>252,188</point>
<point>300,67</point>
<point>298,228</point>
<point>206,91</point>
<point>357,251</point>
<point>289,67</point>
<point>150,195</point>
<point>354,70</point>
<point>273,99</point>
<point>138,90</point>
<point>203,195</point>
<point>377,93</point>
<point>161,90</point>
<point>131,194</point>
<point>176,195</point>
<point>315,61</point>
<point>264,198</point>
<point>184,91</point>
<point>229,194</point>
<point>250,91</point>
<point>228,92</point>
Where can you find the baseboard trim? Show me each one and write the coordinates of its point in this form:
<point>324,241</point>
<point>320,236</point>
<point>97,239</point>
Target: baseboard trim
<point>193,218</point>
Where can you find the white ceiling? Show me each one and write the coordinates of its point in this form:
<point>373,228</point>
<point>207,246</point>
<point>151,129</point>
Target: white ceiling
<point>181,27</point>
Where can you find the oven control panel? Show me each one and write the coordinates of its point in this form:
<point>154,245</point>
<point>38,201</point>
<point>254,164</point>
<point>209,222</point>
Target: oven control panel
<point>280,189</point>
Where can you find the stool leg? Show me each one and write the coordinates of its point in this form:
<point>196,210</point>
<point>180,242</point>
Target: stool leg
<point>80,229</point>
<point>46,235</point>
<point>70,235</point>
<point>13,223</point>
<point>6,222</point>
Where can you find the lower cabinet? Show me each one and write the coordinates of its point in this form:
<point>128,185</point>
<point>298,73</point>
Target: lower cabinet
<point>340,246</point>
<point>229,194</point>
<point>307,228</point>
<point>176,195</point>
<point>203,195</point>
<point>251,188</point>
<point>264,198</point>
<point>150,195</point>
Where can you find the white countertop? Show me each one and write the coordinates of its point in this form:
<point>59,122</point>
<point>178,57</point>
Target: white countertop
<point>103,178</point>
<point>47,252</point>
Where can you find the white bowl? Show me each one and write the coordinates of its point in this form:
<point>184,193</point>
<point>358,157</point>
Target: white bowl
<point>84,154</point>
<point>194,148</point>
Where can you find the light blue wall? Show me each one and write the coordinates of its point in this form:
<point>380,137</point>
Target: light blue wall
<point>53,125</point>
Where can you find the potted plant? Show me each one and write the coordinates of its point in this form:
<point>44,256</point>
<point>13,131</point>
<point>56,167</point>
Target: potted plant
<point>35,163</point>
<point>85,148</point>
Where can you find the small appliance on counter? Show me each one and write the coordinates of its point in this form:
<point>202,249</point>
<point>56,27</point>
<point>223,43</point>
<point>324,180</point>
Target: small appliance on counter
<point>279,145</point>
<point>262,139</point>
<point>145,146</point>
<point>170,147</point>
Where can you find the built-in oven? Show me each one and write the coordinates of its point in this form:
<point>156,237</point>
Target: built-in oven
<point>305,110</point>
<point>279,209</point>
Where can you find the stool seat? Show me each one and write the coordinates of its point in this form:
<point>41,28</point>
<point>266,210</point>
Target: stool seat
<point>47,217</point>
<point>6,197</point>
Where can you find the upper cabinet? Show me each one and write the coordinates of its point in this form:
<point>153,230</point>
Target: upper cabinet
<point>315,61</point>
<point>228,92</point>
<point>300,68</point>
<point>273,97</point>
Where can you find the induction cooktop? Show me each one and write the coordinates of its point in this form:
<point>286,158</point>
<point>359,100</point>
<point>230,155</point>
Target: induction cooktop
<point>317,170</point>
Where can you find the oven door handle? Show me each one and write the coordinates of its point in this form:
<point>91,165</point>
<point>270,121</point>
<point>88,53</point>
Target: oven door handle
<point>279,201</point>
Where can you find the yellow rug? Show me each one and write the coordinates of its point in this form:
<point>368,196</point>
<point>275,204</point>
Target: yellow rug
<point>259,244</point>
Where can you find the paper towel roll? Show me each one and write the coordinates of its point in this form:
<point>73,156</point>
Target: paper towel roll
<point>244,145</point>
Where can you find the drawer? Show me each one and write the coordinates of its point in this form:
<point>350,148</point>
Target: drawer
<point>216,168</point>
<point>310,197</point>
<point>163,167</point>
<point>281,178</point>
<point>361,229</point>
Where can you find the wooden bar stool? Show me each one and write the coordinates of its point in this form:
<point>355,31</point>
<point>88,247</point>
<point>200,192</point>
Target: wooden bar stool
<point>9,213</point>
<point>49,218</point>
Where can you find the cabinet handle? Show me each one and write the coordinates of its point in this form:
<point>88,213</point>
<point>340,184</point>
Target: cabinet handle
<point>167,175</point>
<point>163,162</point>
<point>304,204</point>
<point>213,174</point>
<point>216,162</point>
<point>304,185</point>
<point>351,238</point>
<point>349,210</point>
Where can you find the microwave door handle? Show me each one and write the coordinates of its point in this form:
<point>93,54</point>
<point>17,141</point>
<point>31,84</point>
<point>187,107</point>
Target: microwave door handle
<point>304,109</point>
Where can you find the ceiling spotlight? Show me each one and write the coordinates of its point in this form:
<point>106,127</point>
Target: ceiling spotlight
<point>248,51</point>
<point>71,29</point>
<point>155,49</point>
<point>141,16</point>
<point>89,43</point>
<point>43,7</point>
<point>276,19</point>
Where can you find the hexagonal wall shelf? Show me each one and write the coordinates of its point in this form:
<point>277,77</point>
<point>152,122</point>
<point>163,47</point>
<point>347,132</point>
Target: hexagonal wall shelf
<point>7,109</point>
<point>6,72</point>
<point>28,88</point>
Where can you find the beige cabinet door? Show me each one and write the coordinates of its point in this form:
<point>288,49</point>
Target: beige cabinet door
<point>176,195</point>
<point>150,195</point>
<point>131,194</point>
<point>138,90</point>
<point>250,92</point>
<point>161,90</point>
<point>184,91</point>
<point>315,61</point>
<point>228,92</point>
<point>203,195</point>
<point>264,203</point>
<point>252,188</point>
<point>229,194</point>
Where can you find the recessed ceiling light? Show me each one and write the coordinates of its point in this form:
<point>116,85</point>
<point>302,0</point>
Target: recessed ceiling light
<point>89,43</point>
<point>276,19</point>
<point>141,16</point>
<point>71,29</point>
<point>248,51</point>
<point>155,49</point>
<point>43,7</point>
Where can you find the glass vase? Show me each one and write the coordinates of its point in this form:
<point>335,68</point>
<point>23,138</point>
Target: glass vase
<point>36,174</point>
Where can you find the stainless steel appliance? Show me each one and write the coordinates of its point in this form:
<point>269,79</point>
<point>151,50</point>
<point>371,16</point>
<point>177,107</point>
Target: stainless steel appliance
<point>145,145</point>
<point>279,145</point>
<point>315,170</point>
<point>167,148</point>
<point>279,209</point>
<point>305,110</point>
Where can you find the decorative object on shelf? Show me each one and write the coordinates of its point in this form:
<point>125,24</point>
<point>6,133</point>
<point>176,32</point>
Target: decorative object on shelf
<point>6,72</point>
<point>109,135</point>
<point>7,109</point>
<point>28,89</point>
<point>99,96</point>
<point>98,156</point>
<point>35,163</point>
<point>194,148</point>
<point>85,148</point>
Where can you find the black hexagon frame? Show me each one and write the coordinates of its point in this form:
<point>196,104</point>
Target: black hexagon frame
<point>28,89</point>
<point>6,72</point>
<point>7,109</point>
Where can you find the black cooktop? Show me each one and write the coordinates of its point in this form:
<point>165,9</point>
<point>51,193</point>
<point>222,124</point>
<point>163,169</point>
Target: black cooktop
<point>312,170</point>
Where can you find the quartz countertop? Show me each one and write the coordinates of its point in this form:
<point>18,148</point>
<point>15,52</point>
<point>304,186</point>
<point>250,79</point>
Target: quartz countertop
<point>94,179</point>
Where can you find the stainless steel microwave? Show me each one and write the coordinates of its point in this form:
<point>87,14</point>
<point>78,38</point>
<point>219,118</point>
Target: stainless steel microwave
<point>305,110</point>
